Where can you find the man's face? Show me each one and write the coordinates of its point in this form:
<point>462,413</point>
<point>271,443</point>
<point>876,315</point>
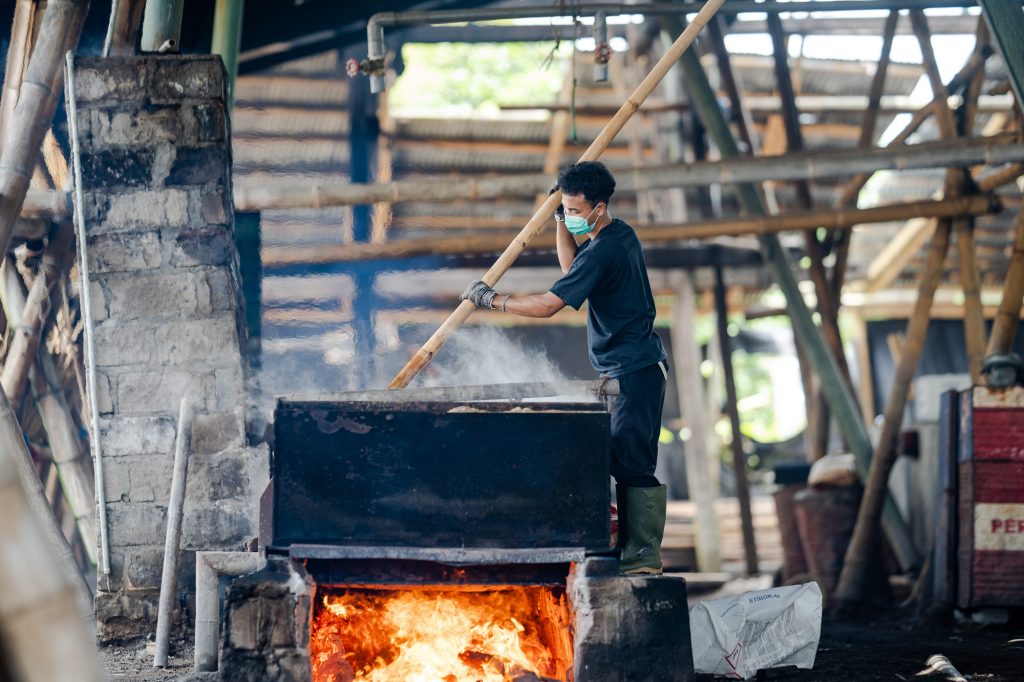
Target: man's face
<point>577,205</point>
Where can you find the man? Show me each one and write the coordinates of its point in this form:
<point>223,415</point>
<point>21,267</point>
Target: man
<point>609,272</point>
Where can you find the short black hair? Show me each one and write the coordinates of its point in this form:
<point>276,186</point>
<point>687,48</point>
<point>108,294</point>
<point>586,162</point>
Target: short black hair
<point>589,178</point>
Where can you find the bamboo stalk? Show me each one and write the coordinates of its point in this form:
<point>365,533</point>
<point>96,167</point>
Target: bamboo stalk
<point>124,27</point>
<point>975,62</point>
<point>536,224</point>
<point>17,55</point>
<point>753,225</point>
<point>45,608</point>
<point>739,457</point>
<point>22,352</point>
<point>1004,327</point>
<point>72,464</point>
<point>814,165</point>
<point>60,31</point>
<point>863,546</point>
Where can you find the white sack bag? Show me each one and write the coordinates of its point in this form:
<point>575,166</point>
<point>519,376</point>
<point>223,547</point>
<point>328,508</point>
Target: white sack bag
<point>737,636</point>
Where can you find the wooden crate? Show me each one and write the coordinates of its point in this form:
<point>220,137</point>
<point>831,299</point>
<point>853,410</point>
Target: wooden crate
<point>991,504</point>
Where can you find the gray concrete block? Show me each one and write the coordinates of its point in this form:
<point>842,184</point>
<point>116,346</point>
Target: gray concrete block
<point>211,122</point>
<point>136,523</point>
<point>125,615</point>
<point>145,478</point>
<point>160,391</point>
<point>199,166</point>
<point>187,77</point>
<point>141,210</point>
<point>143,567</point>
<point>221,524</point>
<point>109,79</point>
<point>118,345</point>
<point>126,436</point>
<point>104,394</point>
<point>634,628</point>
<point>98,301</point>
<point>229,387</point>
<point>223,290</point>
<point>215,208</point>
<point>118,167</point>
<point>213,433</point>
<point>141,126</point>
<point>152,296</point>
<point>211,245</point>
<point>208,341</point>
<point>124,252</point>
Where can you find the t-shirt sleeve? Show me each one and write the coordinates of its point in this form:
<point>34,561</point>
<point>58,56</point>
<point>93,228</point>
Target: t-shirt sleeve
<point>576,285</point>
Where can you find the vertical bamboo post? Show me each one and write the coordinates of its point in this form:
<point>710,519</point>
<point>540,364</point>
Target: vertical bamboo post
<point>227,38</point>
<point>536,224</point>
<point>689,385</point>
<point>864,543</point>
<point>17,56</point>
<point>123,29</point>
<point>739,457</point>
<point>1008,316</point>
<point>61,28</point>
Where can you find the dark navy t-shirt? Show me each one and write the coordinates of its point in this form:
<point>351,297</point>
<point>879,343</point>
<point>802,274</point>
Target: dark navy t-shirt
<point>609,271</point>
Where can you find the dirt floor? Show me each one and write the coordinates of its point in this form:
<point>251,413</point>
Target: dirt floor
<point>883,645</point>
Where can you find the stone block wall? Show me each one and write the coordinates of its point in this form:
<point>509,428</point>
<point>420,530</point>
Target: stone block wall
<point>154,148</point>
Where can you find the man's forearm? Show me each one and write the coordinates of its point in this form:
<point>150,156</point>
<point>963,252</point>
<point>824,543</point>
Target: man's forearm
<point>566,246</point>
<point>535,305</point>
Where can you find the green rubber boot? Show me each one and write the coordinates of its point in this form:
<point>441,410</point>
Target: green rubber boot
<point>644,529</point>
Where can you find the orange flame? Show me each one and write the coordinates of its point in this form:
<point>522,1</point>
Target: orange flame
<point>483,634</point>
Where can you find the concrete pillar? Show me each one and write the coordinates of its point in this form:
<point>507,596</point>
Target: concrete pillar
<point>155,154</point>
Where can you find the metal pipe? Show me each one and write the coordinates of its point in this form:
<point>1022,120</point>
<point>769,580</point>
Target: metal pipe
<point>601,49</point>
<point>410,18</point>
<point>375,25</point>
<point>85,292</point>
<point>375,55</point>
<point>161,26</point>
<point>227,37</point>
<point>172,541</point>
<point>210,566</point>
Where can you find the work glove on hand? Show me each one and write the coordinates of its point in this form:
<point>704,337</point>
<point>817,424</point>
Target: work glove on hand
<point>560,211</point>
<point>480,294</point>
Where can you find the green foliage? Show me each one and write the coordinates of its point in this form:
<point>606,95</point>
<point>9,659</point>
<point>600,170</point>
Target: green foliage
<point>479,77</point>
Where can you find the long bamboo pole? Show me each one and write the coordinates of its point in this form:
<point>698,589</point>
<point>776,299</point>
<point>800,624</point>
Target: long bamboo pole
<point>22,352</point>
<point>813,165</point>
<point>739,457</point>
<point>17,55</point>
<point>60,31</point>
<point>731,227</point>
<point>864,543</point>
<point>536,224</point>
<point>1004,328</point>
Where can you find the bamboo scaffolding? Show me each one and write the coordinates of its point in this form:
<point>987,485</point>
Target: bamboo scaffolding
<point>854,187</point>
<point>1007,317</point>
<point>853,580</point>
<point>536,224</point>
<point>805,166</point>
<point>22,352</point>
<point>45,607</point>
<point>838,394</point>
<point>864,543</point>
<point>17,56</point>
<point>732,227</point>
<point>37,100</point>
<point>739,457</point>
<point>72,463</point>
<point>124,28</point>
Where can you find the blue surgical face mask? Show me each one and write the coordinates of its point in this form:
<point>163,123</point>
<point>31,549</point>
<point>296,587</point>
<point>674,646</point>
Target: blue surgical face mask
<point>578,225</point>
